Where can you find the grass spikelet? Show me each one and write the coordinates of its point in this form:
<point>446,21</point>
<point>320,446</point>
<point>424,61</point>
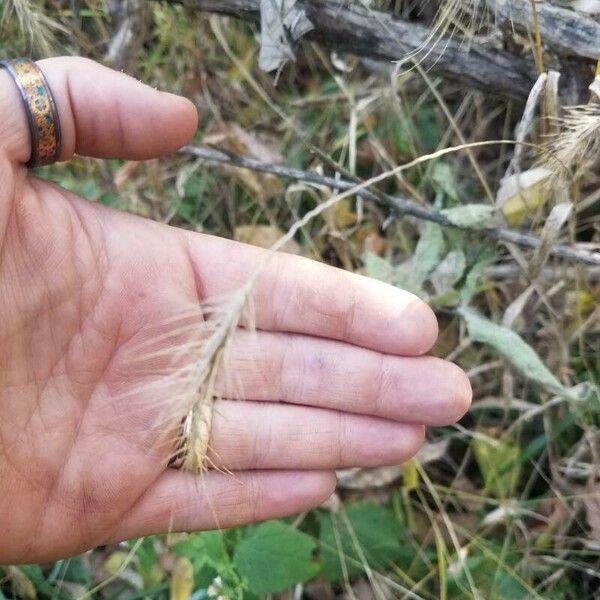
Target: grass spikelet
<point>178,360</point>
<point>577,146</point>
<point>462,19</point>
<point>32,22</point>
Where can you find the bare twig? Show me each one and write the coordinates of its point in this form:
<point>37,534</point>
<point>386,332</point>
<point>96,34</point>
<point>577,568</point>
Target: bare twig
<point>398,203</point>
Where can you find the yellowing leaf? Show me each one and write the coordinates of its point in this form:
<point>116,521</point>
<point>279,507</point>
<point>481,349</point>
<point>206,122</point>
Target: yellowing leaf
<point>265,236</point>
<point>22,585</point>
<point>522,194</point>
<point>498,462</point>
<point>182,580</point>
<point>411,475</point>
<point>343,214</point>
<point>116,562</point>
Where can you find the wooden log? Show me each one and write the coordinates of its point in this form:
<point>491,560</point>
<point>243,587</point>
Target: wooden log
<point>564,31</point>
<point>380,35</point>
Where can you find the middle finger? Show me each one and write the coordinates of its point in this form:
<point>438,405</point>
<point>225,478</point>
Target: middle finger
<point>328,374</point>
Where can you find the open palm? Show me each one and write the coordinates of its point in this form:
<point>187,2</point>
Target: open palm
<point>332,378</point>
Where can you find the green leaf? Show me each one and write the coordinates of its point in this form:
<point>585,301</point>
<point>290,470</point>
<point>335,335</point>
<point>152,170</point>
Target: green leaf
<point>208,554</point>
<point>428,252</point>
<point>428,129</point>
<point>274,557</point>
<point>474,216</point>
<point>511,346</point>
<point>499,464</point>
<point>508,587</point>
<point>378,267</point>
<point>365,532</point>
<point>449,271</point>
<point>444,176</point>
<point>494,576</point>
<point>77,571</point>
<point>207,547</point>
<point>474,275</point>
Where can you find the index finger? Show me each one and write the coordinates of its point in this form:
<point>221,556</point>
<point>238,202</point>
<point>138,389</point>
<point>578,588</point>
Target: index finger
<point>298,295</point>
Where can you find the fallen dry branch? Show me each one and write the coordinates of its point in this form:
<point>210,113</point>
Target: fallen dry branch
<point>380,35</point>
<point>564,31</point>
<point>399,204</point>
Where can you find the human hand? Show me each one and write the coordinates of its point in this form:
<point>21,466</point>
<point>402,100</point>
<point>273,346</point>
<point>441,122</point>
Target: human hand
<point>333,377</point>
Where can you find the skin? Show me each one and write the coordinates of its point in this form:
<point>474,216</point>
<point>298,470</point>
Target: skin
<point>334,376</point>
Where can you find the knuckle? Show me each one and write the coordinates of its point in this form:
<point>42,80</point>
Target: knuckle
<point>383,383</point>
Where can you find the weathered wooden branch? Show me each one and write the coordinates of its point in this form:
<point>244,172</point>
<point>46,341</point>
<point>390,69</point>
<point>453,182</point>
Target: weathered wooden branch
<point>397,203</point>
<point>380,35</point>
<point>566,32</point>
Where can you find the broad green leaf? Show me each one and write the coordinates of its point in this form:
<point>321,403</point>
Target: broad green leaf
<point>206,548</point>
<point>428,253</point>
<point>474,216</point>
<point>511,346</point>
<point>499,464</point>
<point>508,587</point>
<point>208,554</point>
<point>494,575</point>
<point>274,557</point>
<point>365,532</point>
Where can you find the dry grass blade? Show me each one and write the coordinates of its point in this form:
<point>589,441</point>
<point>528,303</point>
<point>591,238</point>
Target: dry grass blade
<point>457,17</point>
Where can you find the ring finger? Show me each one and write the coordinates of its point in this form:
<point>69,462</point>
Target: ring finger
<point>264,435</point>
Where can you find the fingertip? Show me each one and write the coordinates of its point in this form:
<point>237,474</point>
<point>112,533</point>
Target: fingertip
<point>419,433</point>
<point>329,484</point>
<point>463,396</point>
<point>314,486</point>
<point>108,114</point>
<point>395,443</point>
<point>420,328</point>
<point>184,116</point>
<point>455,397</point>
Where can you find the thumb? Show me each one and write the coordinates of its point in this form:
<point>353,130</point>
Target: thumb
<point>103,113</point>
